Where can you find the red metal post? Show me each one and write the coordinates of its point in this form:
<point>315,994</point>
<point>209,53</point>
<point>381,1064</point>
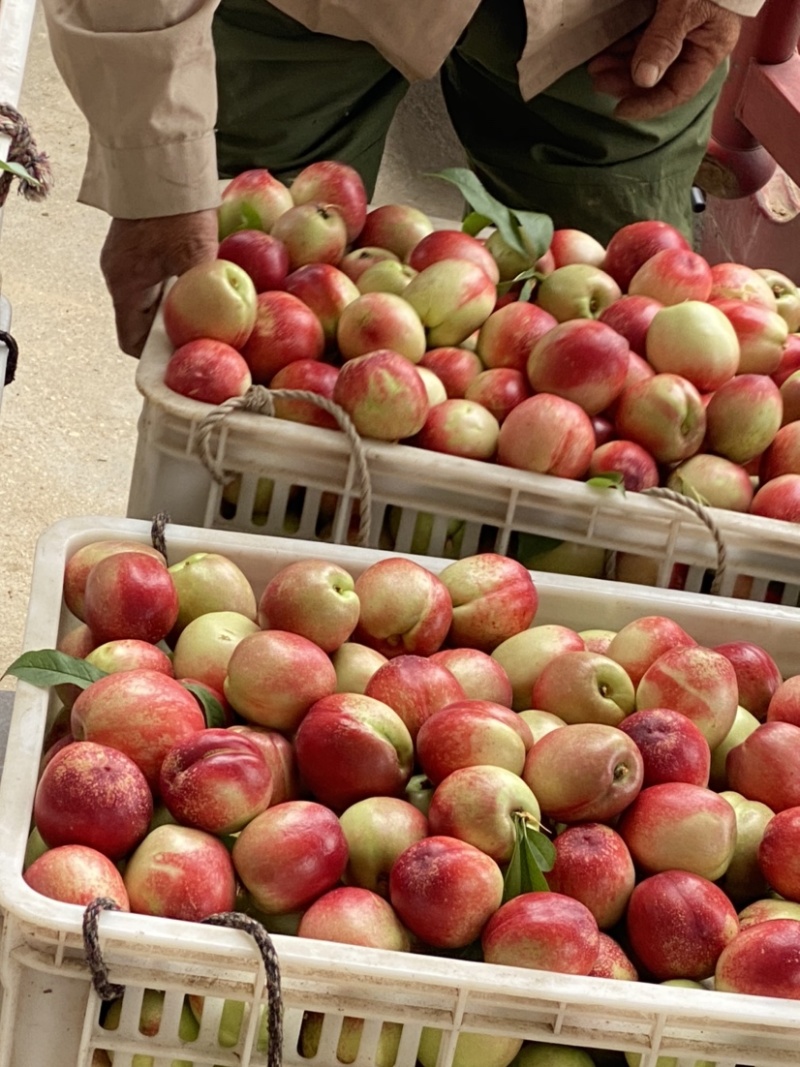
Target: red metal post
<point>752,170</point>
<point>777,31</point>
<point>757,120</point>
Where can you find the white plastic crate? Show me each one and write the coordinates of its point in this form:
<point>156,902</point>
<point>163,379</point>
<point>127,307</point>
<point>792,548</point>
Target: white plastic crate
<point>317,495</point>
<point>50,1012</point>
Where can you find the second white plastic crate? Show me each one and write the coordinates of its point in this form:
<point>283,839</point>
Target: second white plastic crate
<point>418,496</point>
<point>50,1013</point>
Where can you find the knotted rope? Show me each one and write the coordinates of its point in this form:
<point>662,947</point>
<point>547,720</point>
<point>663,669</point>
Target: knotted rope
<point>24,153</point>
<point>158,531</point>
<point>704,515</point>
<point>260,400</point>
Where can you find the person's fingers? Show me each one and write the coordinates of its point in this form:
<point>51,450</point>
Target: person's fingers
<point>681,83</point>
<point>645,104</point>
<point>134,315</point>
<point>614,81</point>
<point>134,282</point>
<point>674,89</point>
<point>660,43</point>
<point>700,32</point>
<point>673,58</point>
<point>607,62</point>
<point>140,255</point>
<point>184,240</point>
<point>618,53</point>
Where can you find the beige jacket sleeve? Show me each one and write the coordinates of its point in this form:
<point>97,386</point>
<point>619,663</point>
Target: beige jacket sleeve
<point>742,7</point>
<point>142,73</point>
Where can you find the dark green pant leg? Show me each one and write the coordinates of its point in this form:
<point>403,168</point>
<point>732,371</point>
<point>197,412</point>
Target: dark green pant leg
<point>562,152</point>
<point>288,96</point>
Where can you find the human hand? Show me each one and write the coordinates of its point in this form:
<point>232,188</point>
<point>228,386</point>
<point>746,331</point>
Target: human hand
<point>668,61</point>
<point>140,255</point>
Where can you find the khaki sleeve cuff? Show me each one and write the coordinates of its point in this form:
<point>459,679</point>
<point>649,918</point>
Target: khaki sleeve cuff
<point>152,181</point>
<point>742,7</point>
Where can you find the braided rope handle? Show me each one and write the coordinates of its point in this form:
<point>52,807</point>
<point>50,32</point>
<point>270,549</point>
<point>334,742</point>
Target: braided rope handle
<point>104,988</point>
<point>705,516</point>
<point>260,400</point>
<point>237,921</point>
<point>24,152</point>
<point>158,532</point>
<point>232,920</point>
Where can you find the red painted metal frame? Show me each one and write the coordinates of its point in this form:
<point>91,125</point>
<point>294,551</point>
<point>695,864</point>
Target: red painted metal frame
<point>757,119</point>
<point>770,109</point>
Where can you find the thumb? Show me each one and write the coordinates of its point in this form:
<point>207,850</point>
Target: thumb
<point>660,44</point>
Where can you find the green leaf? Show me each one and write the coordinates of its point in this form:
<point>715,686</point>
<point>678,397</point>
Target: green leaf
<point>512,879</point>
<point>538,231</point>
<point>607,480</point>
<point>527,232</point>
<point>530,283</point>
<point>470,187</point>
<point>533,854</point>
<point>531,274</point>
<point>48,667</point>
<point>19,172</point>
<point>212,709</point>
<point>474,222</point>
<point>541,849</point>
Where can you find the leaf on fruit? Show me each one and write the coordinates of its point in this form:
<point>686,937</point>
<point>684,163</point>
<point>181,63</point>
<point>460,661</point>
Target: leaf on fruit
<point>533,854</point>
<point>212,709</point>
<point>530,279</point>
<point>474,222</point>
<point>48,667</point>
<point>19,171</point>
<point>536,227</point>
<point>607,480</point>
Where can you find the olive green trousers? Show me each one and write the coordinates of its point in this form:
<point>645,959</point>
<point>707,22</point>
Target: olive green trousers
<point>288,96</point>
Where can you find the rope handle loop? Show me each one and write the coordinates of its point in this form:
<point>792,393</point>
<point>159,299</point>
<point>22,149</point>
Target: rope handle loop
<point>232,920</point>
<point>158,532</point>
<point>705,516</point>
<point>260,400</point>
<point>104,988</point>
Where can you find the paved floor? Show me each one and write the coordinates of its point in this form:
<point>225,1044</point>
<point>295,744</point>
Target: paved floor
<point>68,423</point>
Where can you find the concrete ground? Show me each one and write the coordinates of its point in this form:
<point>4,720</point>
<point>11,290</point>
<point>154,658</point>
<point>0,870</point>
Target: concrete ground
<point>68,423</point>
